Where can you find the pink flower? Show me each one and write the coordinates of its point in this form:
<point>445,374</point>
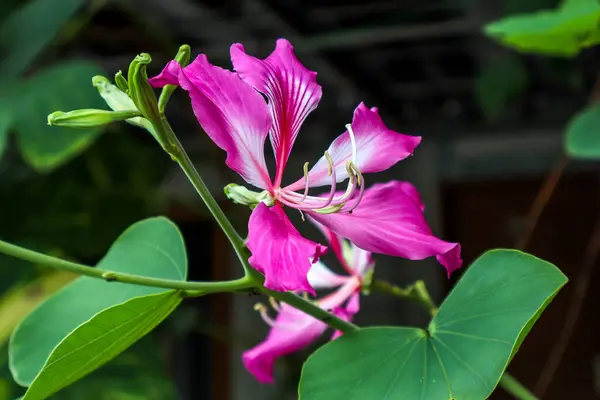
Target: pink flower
<point>292,330</point>
<point>230,108</point>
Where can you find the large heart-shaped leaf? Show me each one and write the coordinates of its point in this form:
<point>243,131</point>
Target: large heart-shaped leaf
<point>91,321</point>
<point>28,30</point>
<point>461,355</point>
<point>65,86</point>
<point>563,31</point>
<point>582,138</point>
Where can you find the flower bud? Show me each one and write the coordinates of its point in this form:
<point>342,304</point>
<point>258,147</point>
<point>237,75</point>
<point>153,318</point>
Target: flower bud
<point>89,117</point>
<point>119,101</point>
<point>121,82</point>
<point>240,195</point>
<point>183,58</point>
<point>140,90</point>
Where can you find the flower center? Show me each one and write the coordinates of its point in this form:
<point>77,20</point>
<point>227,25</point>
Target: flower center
<point>346,202</point>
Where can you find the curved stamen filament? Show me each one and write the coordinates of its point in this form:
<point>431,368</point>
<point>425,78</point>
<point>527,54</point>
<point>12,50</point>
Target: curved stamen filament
<point>274,304</point>
<point>305,181</point>
<point>263,311</point>
<point>361,182</point>
<point>352,143</point>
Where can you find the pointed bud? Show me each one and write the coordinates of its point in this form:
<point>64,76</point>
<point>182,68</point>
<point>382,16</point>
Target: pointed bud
<point>140,90</point>
<point>240,195</point>
<point>121,82</point>
<point>183,58</point>
<point>119,101</point>
<point>89,118</point>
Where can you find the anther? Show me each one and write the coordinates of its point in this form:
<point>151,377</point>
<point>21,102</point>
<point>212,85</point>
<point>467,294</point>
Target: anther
<point>274,304</point>
<point>352,142</point>
<point>305,181</point>
<point>329,163</point>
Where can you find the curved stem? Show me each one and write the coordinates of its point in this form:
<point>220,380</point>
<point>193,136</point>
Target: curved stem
<point>416,292</point>
<point>178,154</point>
<point>515,388</point>
<point>312,310</point>
<point>191,288</point>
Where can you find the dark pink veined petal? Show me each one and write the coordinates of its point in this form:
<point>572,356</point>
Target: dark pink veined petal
<point>292,91</point>
<point>279,251</point>
<point>390,221</point>
<point>293,331</point>
<point>377,149</point>
<point>231,112</point>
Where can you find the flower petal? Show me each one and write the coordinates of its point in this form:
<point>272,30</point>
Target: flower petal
<point>292,91</point>
<point>233,114</point>
<point>390,221</point>
<point>279,251</point>
<point>362,261</point>
<point>377,149</point>
<point>335,242</point>
<point>293,331</point>
<point>321,277</point>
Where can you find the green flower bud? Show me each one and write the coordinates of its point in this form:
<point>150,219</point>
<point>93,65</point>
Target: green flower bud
<point>140,90</point>
<point>89,117</point>
<point>119,101</point>
<point>183,58</point>
<point>121,82</point>
<point>240,195</point>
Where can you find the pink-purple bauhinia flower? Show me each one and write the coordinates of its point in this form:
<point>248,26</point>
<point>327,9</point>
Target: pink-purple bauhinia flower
<point>386,218</point>
<point>292,330</point>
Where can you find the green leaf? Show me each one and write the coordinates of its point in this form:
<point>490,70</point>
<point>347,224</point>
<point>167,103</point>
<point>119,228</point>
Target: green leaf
<point>461,355</point>
<point>63,87</point>
<point>115,381</point>
<point>92,321</point>
<point>582,138</point>
<point>27,31</point>
<point>499,83</point>
<point>564,31</point>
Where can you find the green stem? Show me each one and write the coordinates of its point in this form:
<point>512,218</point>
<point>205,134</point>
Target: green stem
<point>515,388</point>
<point>416,292</point>
<point>312,309</point>
<point>178,153</point>
<point>192,288</point>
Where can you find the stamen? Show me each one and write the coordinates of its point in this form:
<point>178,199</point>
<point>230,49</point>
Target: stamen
<point>302,215</point>
<point>262,309</point>
<point>329,163</point>
<point>305,181</point>
<point>352,142</point>
<point>360,193</point>
<point>274,304</point>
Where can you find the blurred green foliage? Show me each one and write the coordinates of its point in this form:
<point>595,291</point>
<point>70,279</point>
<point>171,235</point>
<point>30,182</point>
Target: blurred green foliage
<point>562,31</point>
<point>67,192</point>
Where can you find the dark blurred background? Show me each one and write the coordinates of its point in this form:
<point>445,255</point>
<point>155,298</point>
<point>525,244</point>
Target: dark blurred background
<point>492,125</point>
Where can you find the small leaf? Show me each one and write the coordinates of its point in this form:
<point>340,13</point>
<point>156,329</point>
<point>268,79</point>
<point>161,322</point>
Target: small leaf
<point>462,354</point>
<point>582,138</point>
<point>65,86</point>
<point>499,83</point>
<point>92,321</point>
<point>27,31</point>
<point>564,31</point>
